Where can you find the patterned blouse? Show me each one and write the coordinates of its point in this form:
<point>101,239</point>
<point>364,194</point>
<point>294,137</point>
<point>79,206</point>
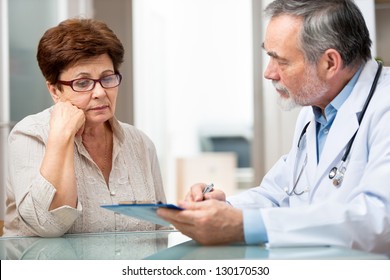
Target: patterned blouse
<point>135,176</point>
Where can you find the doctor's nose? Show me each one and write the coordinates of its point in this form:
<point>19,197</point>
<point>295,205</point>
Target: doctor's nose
<point>271,72</point>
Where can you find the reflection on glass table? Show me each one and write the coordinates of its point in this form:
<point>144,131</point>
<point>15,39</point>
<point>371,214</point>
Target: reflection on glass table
<point>158,245</point>
<point>190,250</point>
<point>107,246</point>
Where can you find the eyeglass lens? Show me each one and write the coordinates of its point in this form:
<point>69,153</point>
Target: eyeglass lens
<point>85,84</point>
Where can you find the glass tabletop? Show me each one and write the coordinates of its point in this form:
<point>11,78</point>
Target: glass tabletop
<point>99,246</point>
<point>156,245</point>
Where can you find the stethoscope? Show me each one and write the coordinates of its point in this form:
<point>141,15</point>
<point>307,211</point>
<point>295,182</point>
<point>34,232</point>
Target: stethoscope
<point>336,174</point>
<point>296,180</point>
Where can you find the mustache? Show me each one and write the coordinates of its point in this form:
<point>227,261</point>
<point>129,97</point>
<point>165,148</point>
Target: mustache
<point>279,87</point>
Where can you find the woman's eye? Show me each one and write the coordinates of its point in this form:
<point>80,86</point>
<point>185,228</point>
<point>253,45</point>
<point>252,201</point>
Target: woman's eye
<point>84,83</point>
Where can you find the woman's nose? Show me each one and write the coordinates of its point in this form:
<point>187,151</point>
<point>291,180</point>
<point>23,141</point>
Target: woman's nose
<point>98,90</point>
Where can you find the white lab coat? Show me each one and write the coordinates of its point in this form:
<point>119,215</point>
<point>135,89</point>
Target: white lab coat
<point>354,215</point>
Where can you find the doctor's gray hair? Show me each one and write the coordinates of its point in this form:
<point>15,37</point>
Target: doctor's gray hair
<point>328,24</point>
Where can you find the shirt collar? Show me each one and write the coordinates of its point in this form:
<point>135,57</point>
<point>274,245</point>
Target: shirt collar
<point>117,129</point>
<point>338,101</point>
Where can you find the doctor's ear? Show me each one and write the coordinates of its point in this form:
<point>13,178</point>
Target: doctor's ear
<point>331,63</point>
<point>55,93</point>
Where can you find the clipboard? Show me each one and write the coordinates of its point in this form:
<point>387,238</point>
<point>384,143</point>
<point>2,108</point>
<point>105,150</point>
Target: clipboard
<point>142,210</point>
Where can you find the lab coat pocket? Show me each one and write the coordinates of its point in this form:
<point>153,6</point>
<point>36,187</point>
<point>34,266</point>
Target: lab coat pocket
<point>299,200</point>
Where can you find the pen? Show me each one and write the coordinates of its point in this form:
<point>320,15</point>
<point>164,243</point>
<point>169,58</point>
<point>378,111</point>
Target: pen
<point>208,188</point>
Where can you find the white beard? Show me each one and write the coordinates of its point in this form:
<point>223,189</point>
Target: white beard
<point>287,104</point>
<point>311,91</point>
<point>285,101</point>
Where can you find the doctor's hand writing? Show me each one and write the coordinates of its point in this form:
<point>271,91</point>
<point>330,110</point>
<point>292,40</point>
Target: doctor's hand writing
<point>208,222</point>
<point>196,193</point>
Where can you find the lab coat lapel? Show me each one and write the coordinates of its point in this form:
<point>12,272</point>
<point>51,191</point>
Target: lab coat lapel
<point>346,122</point>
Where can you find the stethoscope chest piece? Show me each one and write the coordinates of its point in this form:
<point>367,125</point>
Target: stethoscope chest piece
<point>332,172</point>
<point>337,175</point>
<point>337,181</point>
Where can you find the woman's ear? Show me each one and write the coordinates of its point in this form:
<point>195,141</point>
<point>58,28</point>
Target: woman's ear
<point>55,93</point>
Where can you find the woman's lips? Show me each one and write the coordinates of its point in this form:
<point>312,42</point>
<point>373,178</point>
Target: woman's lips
<point>99,108</point>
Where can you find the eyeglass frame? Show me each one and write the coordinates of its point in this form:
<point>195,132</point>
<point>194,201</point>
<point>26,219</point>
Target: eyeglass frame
<point>70,83</point>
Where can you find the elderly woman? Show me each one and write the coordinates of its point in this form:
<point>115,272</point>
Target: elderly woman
<point>71,158</point>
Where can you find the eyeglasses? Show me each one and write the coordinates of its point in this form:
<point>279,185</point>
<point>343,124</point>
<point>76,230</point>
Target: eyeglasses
<point>86,84</point>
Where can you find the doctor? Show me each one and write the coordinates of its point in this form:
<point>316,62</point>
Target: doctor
<point>333,187</point>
